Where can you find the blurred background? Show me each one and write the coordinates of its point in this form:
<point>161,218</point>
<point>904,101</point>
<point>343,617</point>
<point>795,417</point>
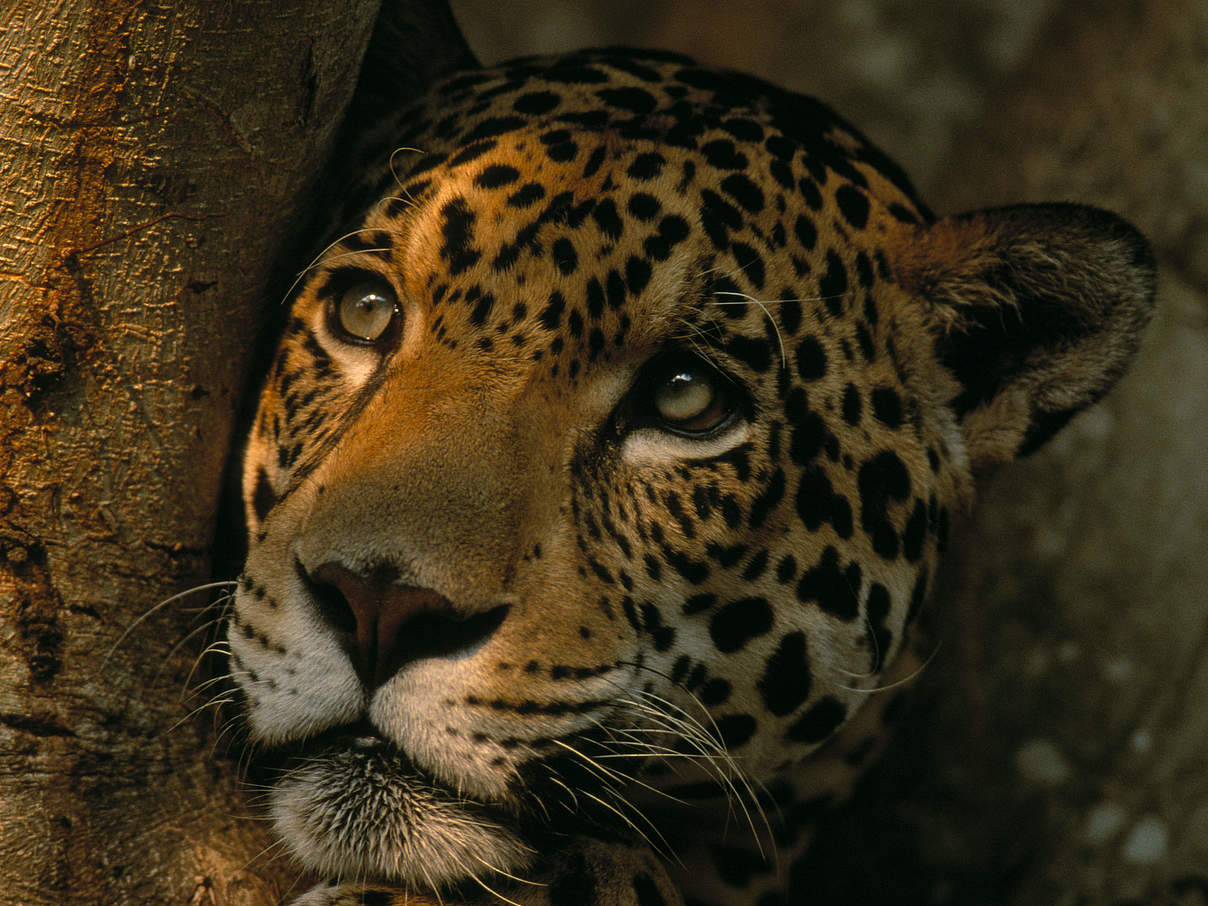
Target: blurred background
<point>1058,751</point>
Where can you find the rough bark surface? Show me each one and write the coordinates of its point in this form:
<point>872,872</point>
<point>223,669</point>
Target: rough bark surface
<point>154,157</point>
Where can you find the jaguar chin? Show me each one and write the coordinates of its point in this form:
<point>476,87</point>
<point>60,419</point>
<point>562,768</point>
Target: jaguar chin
<point>350,804</point>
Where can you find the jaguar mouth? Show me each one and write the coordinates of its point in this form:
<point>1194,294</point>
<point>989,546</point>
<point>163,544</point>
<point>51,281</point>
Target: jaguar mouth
<point>348,803</point>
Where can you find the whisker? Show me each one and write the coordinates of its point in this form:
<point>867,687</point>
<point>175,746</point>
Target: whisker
<point>209,586</point>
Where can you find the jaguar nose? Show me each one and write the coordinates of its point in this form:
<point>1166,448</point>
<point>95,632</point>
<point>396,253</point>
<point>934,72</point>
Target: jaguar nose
<point>387,626</point>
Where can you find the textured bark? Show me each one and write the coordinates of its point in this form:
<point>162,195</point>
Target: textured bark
<point>154,157</point>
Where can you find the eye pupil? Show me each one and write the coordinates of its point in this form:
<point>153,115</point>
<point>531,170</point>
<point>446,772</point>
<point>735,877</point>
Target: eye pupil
<point>364,312</point>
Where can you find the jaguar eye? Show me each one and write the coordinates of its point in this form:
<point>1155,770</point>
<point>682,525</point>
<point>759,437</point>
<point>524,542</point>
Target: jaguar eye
<point>364,312</point>
<point>689,397</point>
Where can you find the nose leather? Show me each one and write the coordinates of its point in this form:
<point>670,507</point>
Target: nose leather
<point>382,610</point>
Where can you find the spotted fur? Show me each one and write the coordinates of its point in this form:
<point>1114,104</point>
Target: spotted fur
<point>505,625</point>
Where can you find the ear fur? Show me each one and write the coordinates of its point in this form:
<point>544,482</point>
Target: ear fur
<point>1036,310</point>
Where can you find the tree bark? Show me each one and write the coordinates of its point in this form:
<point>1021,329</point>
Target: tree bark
<point>154,161</point>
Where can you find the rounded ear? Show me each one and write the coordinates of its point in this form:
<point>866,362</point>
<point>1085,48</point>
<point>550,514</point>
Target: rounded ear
<point>1036,311</point>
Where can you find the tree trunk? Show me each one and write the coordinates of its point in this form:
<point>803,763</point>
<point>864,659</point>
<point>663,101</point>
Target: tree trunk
<point>154,160</point>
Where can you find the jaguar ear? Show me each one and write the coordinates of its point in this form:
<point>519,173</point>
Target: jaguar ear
<point>1036,310</point>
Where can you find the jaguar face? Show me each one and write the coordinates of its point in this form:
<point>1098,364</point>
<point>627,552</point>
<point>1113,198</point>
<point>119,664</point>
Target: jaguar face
<point>611,450</point>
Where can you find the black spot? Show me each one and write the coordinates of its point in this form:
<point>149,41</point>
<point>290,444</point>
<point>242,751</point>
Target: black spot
<point>595,161</point>
<point>756,566</point>
<point>456,230</point>
<point>562,152</point>
<point>715,692</point>
<point>738,622</point>
<point>819,722</point>
<point>673,230</point>
<point>565,258</point>
<point>526,195</point>
<point>735,730</point>
<point>809,435</point>
<point>643,206</point>
<point>786,680</point>
<point>693,570</point>
<point>811,359</point>
<point>536,102</point>
<point>881,479</point>
<point>851,404</point>
<point>481,310</point>
<point>491,127</point>
<point>595,343</point>
<point>771,495</point>
<point>616,290</point>
<point>496,175</point>
<point>646,166</point>
<point>680,669</point>
<point>465,155</point>
<point>607,219</point>
<point>887,406</point>
<point>743,129</point>
<point>865,275</point>
<point>717,217</point>
<point>837,591</point>
<point>818,503</point>
<point>864,338</point>
<point>782,173</point>
<point>853,204</point>
<point>637,274</point>
<point>722,155</point>
<point>635,100</point>
<point>654,569</point>
<point>833,284</point>
<point>662,634</point>
<point>595,299</point>
<point>263,497</point>
<point>551,315</point>
<point>731,512</point>
<point>750,262</point>
<point>574,322</point>
<point>789,311</point>
<point>809,191</point>
<point>755,354</point>
<point>740,187</point>
<point>903,213</point>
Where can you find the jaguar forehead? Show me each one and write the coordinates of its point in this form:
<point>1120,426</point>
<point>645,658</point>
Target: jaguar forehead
<point>502,240</point>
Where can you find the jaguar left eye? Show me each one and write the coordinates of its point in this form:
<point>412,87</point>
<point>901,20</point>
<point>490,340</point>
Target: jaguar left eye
<point>688,396</point>
<point>364,312</point>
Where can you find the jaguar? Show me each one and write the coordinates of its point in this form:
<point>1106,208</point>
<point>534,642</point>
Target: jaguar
<point>602,471</point>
